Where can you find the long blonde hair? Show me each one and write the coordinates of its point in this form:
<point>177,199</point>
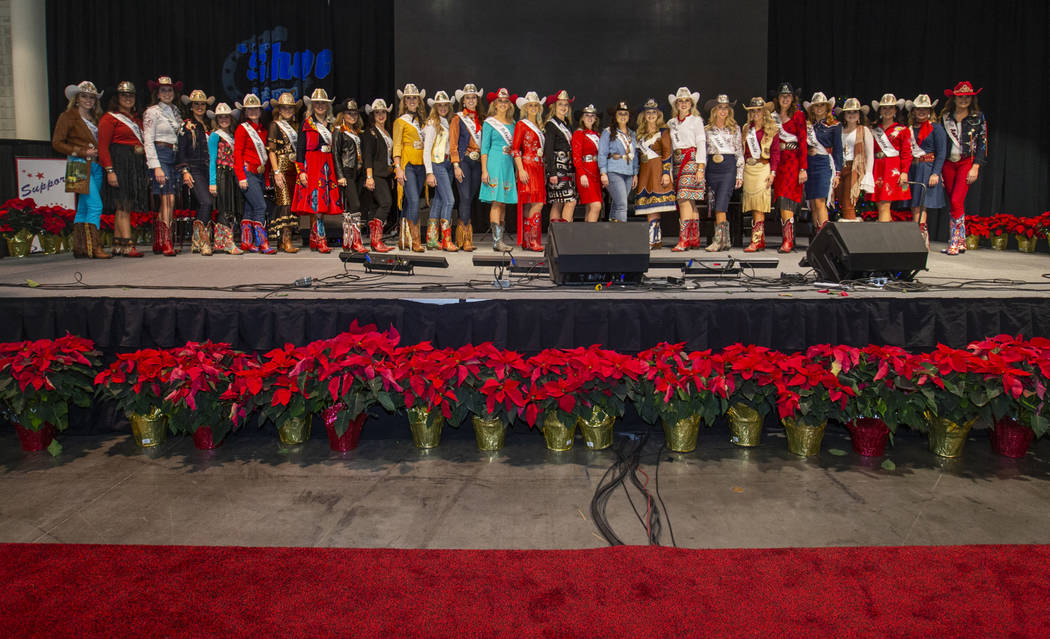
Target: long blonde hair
<point>642,126</point>
<point>419,113</point>
<point>434,117</point>
<point>494,110</point>
<point>730,118</point>
<point>829,117</point>
<point>693,111</point>
<point>769,125</point>
<point>551,113</point>
<point>95,113</point>
<point>538,120</point>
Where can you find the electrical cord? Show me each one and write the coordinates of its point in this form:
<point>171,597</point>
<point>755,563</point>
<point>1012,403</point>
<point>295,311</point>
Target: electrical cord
<point>627,465</point>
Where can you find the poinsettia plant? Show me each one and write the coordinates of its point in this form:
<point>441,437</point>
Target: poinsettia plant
<point>1016,373</point>
<point>750,373</point>
<point>200,374</point>
<point>950,384</point>
<point>1043,224</point>
<point>137,381</point>
<point>56,220</point>
<point>976,225</point>
<point>40,378</point>
<point>427,377</point>
<point>142,220</point>
<point>1025,226</point>
<point>808,390</point>
<point>490,383</point>
<point>999,224</point>
<point>573,382</point>
<point>677,385</point>
<point>17,215</point>
<point>105,222</point>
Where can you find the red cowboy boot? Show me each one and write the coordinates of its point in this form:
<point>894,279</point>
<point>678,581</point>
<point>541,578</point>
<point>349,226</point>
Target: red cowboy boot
<point>758,237</point>
<point>375,239</point>
<point>787,243</point>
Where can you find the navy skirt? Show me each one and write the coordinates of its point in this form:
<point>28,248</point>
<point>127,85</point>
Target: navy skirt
<point>818,177</point>
<point>921,172</point>
<point>721,180</point>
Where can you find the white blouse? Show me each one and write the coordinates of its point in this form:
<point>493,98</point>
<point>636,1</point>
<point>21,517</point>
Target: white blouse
<point>689,134</point>
<point>430,138</point>
<point>727,142</point>
<point>160,123</point>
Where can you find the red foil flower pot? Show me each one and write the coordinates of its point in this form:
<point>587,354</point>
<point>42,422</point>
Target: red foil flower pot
<point>349,439</point>
<point>203,440</point>
<point>869,436</point>
<point>1010,438</point>
<point>35,440</point>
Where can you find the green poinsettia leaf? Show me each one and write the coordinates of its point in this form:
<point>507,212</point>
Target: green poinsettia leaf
<point>32,284</point>
<point>837,452</point>
<point>54,448</point>
<point>888,464</point>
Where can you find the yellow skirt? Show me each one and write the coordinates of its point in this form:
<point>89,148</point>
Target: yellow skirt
<point>755,195</point>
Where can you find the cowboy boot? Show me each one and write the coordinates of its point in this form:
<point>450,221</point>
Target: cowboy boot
<point>206,240</point>
<point>413,229</point>
<point>224,240</point>
<point>468,237</point>
<point>433,235</point>
<point>694,237</point>
<point>956,237</point>
<point>198,235</point>
<point>656,240</point>
<point>129,248</point>
<point>685,235</point>
<point>404,236</point>
<point>961,230</point>
<point>459,234</point>
<point>79,240</point>
<point>263,240</point>
<point>95,249</point>
<point>925,232</point>
<point>286,241</point>
<point>375,239</point>
<point>118,247</point>
<point>248,237</point>
<point>758,237</point>
<point>446,237</point>
<point>318,242</point>
<point>497,240</point>
<point>158,234</point>
<point>533,229</point>
<point>787,242</point>
<point>356,241</point>
<point>347,233</point>
<point>720,242</point>
<point>167,245</point>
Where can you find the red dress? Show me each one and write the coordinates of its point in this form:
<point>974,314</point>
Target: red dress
<point>528,146</point>
<point>321,193</point>
<point>888,170</point>
<point>792,160</point>
<point>585,145</point>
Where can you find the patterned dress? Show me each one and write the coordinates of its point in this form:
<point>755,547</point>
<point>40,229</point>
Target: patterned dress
<point>690,146</point>
<point>496,138</point>
<point>892,159</point>
<point>557,159</point>
<point>787,192</point>
<point>528,145</point>
<point>653,196</point>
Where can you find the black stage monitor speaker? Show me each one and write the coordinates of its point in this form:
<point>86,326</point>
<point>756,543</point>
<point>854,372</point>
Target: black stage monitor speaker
<point>858,250</point>
<point>598,252</point>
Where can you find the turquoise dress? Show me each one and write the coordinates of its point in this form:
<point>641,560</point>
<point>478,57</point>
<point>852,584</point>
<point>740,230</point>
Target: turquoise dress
<point>503,186</point>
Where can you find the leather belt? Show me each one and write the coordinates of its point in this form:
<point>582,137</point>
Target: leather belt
<point>753,161</point>
<point>590,158</point>
<point>325,148</point>
<point>924,158</point>
<point>827,149</point>
<point>788,146</point>
<point>615,156</point>
<point>474,155</point>
<point>166,145</point>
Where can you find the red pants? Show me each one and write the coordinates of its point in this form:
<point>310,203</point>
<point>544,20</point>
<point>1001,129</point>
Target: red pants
<point>955,184</point>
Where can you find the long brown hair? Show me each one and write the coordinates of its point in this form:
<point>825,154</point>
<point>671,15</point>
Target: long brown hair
<point>419,113</point>
<point>949,107</point>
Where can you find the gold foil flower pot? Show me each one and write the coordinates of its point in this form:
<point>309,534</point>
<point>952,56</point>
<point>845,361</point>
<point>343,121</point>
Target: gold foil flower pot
<point>973,242</point>
<point>745,425</point>
<point>294,430</point>
<point>681,435</point>
<point>489,432</point>
<point>51,244</point>
<point>598,430</point>
<point>998,242</point>
<point>149,430</point>
<point>19,244</point>
<point>1026,244</point>
<point>947,438</point>
<point>426,431</point>
<point>558,432</point>
<point>804,439</point>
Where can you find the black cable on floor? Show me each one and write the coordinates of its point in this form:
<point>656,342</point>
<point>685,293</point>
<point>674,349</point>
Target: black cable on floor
<point>628,458</point>
<point>667,514</point>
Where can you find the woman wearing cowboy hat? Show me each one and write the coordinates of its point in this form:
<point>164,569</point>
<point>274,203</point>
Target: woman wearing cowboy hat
<point>858,158</point>
<point>892,156</point>
<point>377,158</point>
<point>438,166</point>
<point>689,159</point>
<point>557,157</point>
<point>929,152</point>
<point>585,141</point>
<point>465,148</point>
<point>408,161</point>
<point>222,180</point>
<point>761,160</point>
<point>250,164</point>
<point>349,158</point>
<point>160,132</point>
<point>498,186</point>
<point>791,174</point>
<point>527,148</point>
<point>192,161</point>
<point>725,165</point>
<point>618,160</point>
<point>123,158</point>
<point>281,145</point>
<point>655,193</point>
<point>824,146</point>
<point>317,193</point>
<point>76,136</point>
<point>967,132</point>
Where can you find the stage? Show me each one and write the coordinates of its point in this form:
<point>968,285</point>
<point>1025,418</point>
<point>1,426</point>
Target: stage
<point>252,301</point>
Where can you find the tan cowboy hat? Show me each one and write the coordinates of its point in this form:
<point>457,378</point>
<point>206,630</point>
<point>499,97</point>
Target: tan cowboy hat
<point>589,110</point>
<point>468,89</point>
<point>319,95</point>
<point>285,99</point>
<point>379,104</point>
<point>651,105</point>
<point>756,103</point>
<point>197,95</point>
<point>529,98</point>
<point>719,100</point>
<point>819,98</point>
<point>224,109</point>
<point>888,99</point>
<point>683,94</point>
<point>439,98</point>
<point>560,95</point>
<point>251,101</point>
<point>411,91</point>
<point>853,104</point>
<point>921,101</point>
<point>165,81</point>
<point>87,87</point>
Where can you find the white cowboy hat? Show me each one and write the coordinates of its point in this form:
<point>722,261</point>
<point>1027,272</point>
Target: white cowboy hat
<point>468,89</point>
<point>529,98</point>
<point>921,101</point>
<point>251,101</point>
<point>888,99</point>
<point>439,98</point>
<point>410,92</point>
<point>819,98</point>
<point>224,109</point>
<point>683,94</point>
<point>379,104</point>
<point>853,104</point>
<point>87,87</point>
<point>197,95</point>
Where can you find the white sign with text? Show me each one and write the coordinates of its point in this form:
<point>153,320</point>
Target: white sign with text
<point>44,181</point>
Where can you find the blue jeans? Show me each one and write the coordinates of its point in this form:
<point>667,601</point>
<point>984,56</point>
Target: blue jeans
<point>89,206</point>
<point>441,204</point>
<point>468,188</point>
<point>619,189</point>
<point>254,202</point>
<point>415,180</point>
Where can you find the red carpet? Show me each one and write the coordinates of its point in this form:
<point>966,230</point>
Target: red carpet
<point>162,591</point>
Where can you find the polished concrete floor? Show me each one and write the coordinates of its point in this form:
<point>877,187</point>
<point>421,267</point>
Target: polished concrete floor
<point>252,491</point>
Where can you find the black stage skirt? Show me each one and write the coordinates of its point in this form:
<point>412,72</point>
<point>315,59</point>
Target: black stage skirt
<point>132,191</point>
<point>229,200</point>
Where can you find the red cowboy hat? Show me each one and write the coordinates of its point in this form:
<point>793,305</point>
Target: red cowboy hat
<point>559,95</point>
<point>165,81</point>
<point>963,88</point>
<point>502,93</point>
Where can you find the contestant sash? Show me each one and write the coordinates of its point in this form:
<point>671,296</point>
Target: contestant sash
<point>260,148</point>
<point>288,131</point>
<point>131,124</point>
<point>475,133</point>
<point>752,143</point>
<point>884,142</point>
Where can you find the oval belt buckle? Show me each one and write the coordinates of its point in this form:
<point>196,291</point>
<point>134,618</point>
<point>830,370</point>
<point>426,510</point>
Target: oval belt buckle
<point>717,158</point>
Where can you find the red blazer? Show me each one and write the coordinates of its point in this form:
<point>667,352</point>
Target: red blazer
<point>244,153</point>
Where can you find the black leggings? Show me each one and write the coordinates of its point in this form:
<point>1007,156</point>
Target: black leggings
<point>379,202</point>
<point>201,193</point>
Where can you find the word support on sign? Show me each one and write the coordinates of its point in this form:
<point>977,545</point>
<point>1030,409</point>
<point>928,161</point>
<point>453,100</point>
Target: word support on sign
<point>44,180</point>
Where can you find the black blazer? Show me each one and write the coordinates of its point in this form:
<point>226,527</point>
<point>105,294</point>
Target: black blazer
<point>344,152</point>
<point>375,153</point>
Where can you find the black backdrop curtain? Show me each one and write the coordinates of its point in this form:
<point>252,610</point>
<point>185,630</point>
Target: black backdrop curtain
<point>198,42</point>
<point>905,47</point>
